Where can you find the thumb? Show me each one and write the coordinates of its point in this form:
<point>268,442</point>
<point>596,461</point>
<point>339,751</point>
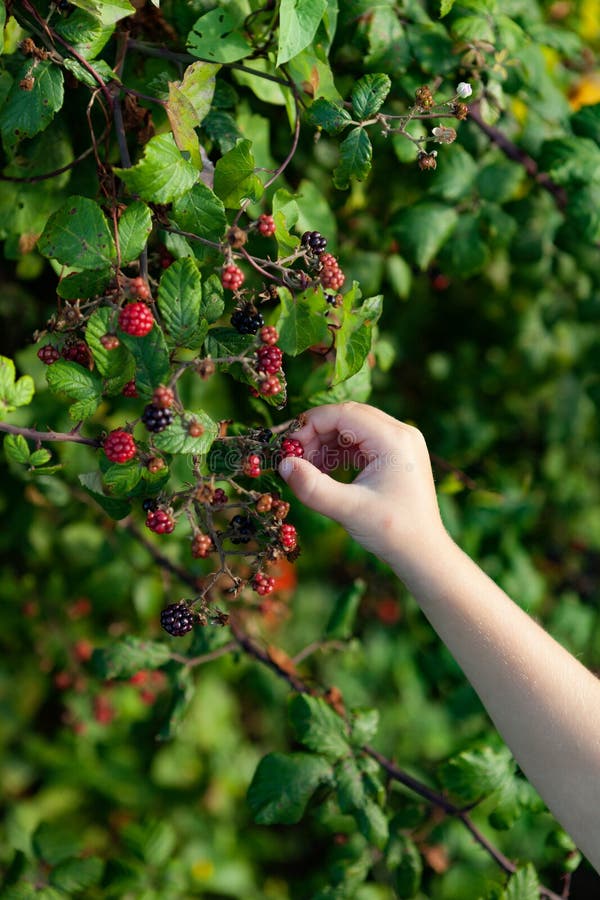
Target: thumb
<point>316,489</point>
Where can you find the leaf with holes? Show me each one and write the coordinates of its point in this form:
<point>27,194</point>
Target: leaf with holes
<point>218,37</point>
<point>27,112</point>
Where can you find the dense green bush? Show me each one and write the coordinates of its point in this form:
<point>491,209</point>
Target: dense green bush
<point>317,742</point>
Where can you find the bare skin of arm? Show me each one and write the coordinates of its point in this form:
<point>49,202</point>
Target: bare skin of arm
<point>544,703</point>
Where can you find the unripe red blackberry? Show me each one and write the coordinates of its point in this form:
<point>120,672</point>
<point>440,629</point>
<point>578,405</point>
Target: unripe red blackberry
<point>247,319</point>
<point>288,537</point>
<point>177,619</point>
<point>155,464</point>
<point>292,447</point>
<point>269,335</point>
<point>130,390</point>
<point>280,509</point>
<point>48,354</point>
<point>160,521</point>
<point>251,466</point>
<point>163,397</point>
<point>266,225</point>
<point>205,368</point>
<point>263,584</point>
<point>195,429</point>
<point>314,241</point>
<point>110,341</point>
<point>269,386</point>
<point>136,319</point>
<point>202,545</point>
<point>156,419</point>
<point>139,288</point>
<point>219,497</point>
<point>269,359</point>
<point>232,277</point>
<point>78,352</point>
<point>119,446</point>
<point>264,503</point>
<point>330,274</point>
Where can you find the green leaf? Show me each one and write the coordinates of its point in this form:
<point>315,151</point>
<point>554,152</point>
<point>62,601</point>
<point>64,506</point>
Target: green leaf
<point>341,621</point>
<point>467,252</point>
<point>586,122</point>
<point>124,658</point>
<point>218,37</point>
<point>318,727</point>
<point>222,128</point>
<point>364,725</point>
<point>355,158</point>
<point>76,875</point>
<point>354,337</point>
<point>83,75</point>
<point>369,93</point>
<point>26,113</point>
<point>175,438</point>
<point>222,342</point>
<point>122,478</point>
<point>118,365</point>
<point>84,32</point>
<point>83,284</point>
<point>405,865</point>
<point>16,448</point>
<point>212,303</point>
<point>445,8</point>
<point>301,322</point>
<point>283,784</point>
<point>54,843</point>
<point>399,274</point>
<point>13,393</point>
<point>353,800</point>
<point>422,229</point>
<point>92,484</point>
<point>571,160</point>
<point>200,212</point>
<point>162,174</point>
<point>40,457</point>
<point>235,178</point>
<point>328,116</point>
<point>79,384</point>
<point>135,226</point>
<point>298,23</point>
<point>477,773</point>
<point>188,104</point>
<point>78,235</point>
<point>151,359</point>
<point>285,214</point>
<point>357,387</point>
<point>153,842</point>
<point>179,299</point>
<point>107,11</point>
<point>2,26</point>
<point>523,885</point>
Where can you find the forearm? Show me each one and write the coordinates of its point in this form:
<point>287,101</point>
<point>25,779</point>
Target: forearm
<point>545,704</point>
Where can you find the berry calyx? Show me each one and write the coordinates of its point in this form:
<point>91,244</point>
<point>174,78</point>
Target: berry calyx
<point>130,390</point>
<point>139,288</point>
<point>314,241</point>
<point>246,319</point>
<point>48,354</point>
<point>232,277</point>
<point>269,359</point>
<point>163,397</point>
<point>136,319</point>
<point>266,225</point>
<point>119,446</point>
<point>269,335</point>
<point>177,619</point>
<point>202,545</point>
<point>288,537</point>
<point>292,447</point>
<point>251,466</point>
<point>270,386</point>
<point>160,521</point>
<point>156,419</point>
<point>110,341</point>
<point>263,584</point>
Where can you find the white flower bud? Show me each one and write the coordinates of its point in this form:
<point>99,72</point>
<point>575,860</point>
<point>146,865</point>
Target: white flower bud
<point>463,90</point>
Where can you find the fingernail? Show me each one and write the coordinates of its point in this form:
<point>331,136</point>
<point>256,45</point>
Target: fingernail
<point>286,467</point>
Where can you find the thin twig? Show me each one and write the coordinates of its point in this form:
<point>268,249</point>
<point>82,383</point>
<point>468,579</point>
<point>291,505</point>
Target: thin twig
<point>31,434</point>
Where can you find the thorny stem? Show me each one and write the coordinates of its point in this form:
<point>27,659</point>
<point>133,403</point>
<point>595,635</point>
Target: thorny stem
<point>32,435</point>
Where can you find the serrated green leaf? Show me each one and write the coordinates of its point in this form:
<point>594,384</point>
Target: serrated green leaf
<point>285,213</point>
<point>283,784</point>
<point>124,658</point>
<point>364,725</point>
<point>82,285</point>
<point>343,614</point>
<point>354,801</point>
<point>65,377</point>
<point>16,448</point>
<point>83,75</point>
<point>218,37</point>
<point>200,212</point>
<point>152,842</point>
<point>107,11</point>
<point>151,359</point>
<point>301,322</point>
<point>134,229</point>
<point>477,773</point>
<point>163,174</point>
<point>189,102</point>
<point>354,337</point>
<point>179,301</point>
<point>122,478</point>
<point>115,508</point>
<point>405,865</point>
<point>176,439</point>
<point>235,178</point>
<point>40,457</point>
<point>298,23</point>
<point>84,32</point>
<point>224,342</point>
<point>523,885</point>
<point>422,229</point>
<point>222,128</point>
<point>54,843</point>
<point>369,93</point>
<point>445,8</point>
<point>26,113</point>
<point>212,304</point>
<point>78,235</point>
<point>74,875</point>
<point>372,823</point>
<point>355,158</point>
<point>116,366</point>
<point>328,116</point>
<point>317,726</point>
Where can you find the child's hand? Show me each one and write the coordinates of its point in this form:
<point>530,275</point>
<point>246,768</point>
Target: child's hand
<point>390,507</point>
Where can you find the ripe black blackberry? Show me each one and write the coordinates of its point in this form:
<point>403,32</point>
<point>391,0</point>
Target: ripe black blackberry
<point>247,319</point>
<point>149,504</point>
<point>314,240</point>
<point>177,618</point>
<point>155,418</point>
<point>243,529</point>
<point>264,435</point>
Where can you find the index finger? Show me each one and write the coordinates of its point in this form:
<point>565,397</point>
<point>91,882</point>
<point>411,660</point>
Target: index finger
<point>344,425</point>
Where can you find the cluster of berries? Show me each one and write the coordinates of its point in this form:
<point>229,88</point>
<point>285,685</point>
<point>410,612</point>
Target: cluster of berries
<point>266,225</point>
<point>232,277</point>
<point>73,351</point>
<point>160,521</point>
<point>177,618</point>
<point>246,319</point>
<point>251,466</point>
<point>263,584</point>
<point>291,447</point>
<point>330,273</point>
<point>202,545</point>
<point>138,288</point>
<point>136,319</point>
<point>313,241</point>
